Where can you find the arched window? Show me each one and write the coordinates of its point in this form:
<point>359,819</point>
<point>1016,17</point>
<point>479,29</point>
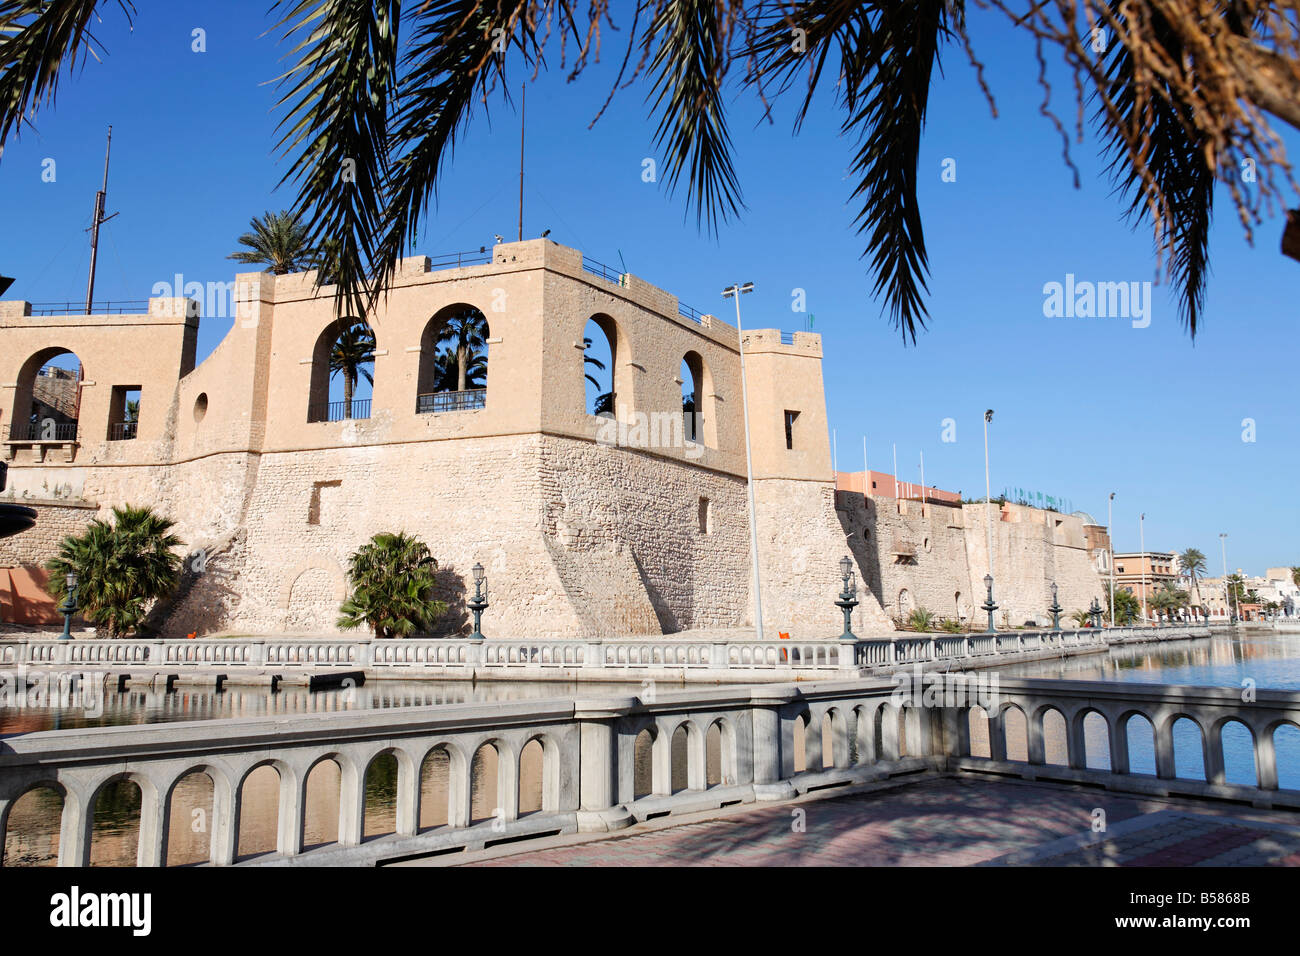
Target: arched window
<point>342,371</point>
<point>698,401</point>
<point>47,401</point>
<point>453,361</point>
<point>599,365</point>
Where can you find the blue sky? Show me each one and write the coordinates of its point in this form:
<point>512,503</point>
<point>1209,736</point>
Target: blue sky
<point>1083,406</point>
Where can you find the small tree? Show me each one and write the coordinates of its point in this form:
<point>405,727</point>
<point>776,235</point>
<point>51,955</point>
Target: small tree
<point>121,568</point>
<point>392,576</point>
<point>1127,607</point>
<point>279,241</point>
<point>1081,618</point>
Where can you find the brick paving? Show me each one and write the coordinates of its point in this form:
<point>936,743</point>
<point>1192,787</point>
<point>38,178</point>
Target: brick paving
<point>951,822</point>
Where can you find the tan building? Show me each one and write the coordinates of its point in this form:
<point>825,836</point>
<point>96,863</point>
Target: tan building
<point>1143,573</point>
<point>587,525</point>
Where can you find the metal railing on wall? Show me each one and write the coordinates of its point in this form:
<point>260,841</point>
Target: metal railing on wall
<point>433,402</point>
<point>339,411</point>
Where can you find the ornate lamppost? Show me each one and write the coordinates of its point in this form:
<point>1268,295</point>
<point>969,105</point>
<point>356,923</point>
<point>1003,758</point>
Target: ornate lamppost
<point>988,604</point>
<point>848,597</point>
<point>1056,609</point>
<point>480,603</point>
<point>1094,611</point>
<point>69,606</point>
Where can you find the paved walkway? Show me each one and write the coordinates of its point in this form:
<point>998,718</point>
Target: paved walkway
<point>950,822</point>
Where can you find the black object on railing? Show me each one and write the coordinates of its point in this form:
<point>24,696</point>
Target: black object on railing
<point>339,411</point>
<point>120,307</point>
<point>458,260</point>
<point>604,271</point>
<point>121,431</point>
<point>434,402</point>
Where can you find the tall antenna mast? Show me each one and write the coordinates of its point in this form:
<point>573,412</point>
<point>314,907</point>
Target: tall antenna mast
<point>96,222</point>
<point>523,103</point>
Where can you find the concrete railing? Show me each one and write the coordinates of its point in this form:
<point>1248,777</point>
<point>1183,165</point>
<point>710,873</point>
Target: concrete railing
<point>772,742</point>
<point>558,659</point>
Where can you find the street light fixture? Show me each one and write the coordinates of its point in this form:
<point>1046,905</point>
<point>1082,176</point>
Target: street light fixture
<point>735,292</point>
<point>1110,539</point>
<point>988,604</point>
<point>1056,609</point>
<point>988,506</point>
<point>848,597</point>
<point>69,606</point>
<point>480,603</point>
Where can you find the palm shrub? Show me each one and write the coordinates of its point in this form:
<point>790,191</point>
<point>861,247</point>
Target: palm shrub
<point>950,625</point>
<point>392,577</point>
<point>1127,607</point>
<point>1081,618</point>
<point>920,619</point>
<point>121,568</point>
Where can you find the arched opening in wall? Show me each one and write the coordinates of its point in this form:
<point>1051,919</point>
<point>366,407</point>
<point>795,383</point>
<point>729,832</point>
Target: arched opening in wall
<point>342,371</point>
<point>958,610</point>
<point>115,837</point>
<point>713,775</point>
<point>483,803</point>
<point>435,788</point>
<point>1096,742</point>
<point>200,407</point>
<point>454,348</point>
<point>381,795</point>
<point>978,728</point>
<point>32,829</point>
<point>532,765</point>
<point>47,400</point>
<point>906,746</point>
<point>320,818</point>
<point>643,765</point>
<point>681,757</point>
<point>698,403</point>
<point>905,603</point>
<point>1015,731</point>
<point>259,817</point>
<point>1189,749</point>
<point>1141,745</point>
<point>602,376</point>
<point>1239,764</point>
<point>1286,747</point>
<point>828,741</point>
<point>799,743</point>
<point>1055,745</point>
<point>190,820</point>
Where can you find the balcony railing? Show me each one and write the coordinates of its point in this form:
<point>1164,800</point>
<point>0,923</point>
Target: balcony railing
<point>458,260</point>
<point>44,431</point>
<point>121,431</point>
<point>339,411</point>
<point>604,271</point>
<point>435,402</point>
<point>686,312</point>
<point>120,307</point>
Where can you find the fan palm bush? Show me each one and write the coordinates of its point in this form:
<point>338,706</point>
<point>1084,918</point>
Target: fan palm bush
<point>392,578</point>
<point>921,619</point>
<point>122,568</point>
<point>950,625</point>
<point>1081,618</point>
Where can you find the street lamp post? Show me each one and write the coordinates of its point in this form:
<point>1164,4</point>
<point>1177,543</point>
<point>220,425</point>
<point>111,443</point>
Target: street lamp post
<point>1094,612</point>
<point>848,597</point>
<point>480,603</point>
<point>1142,543</point>
<point>988,509</point>
<point>1227,597</point>
<point>1056,609</point>
<point>69,606</point>
<point>988,604</point>
<point>1110,539</point>
<point>735,292</point>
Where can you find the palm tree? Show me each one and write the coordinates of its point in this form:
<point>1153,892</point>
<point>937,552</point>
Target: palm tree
<point>1192,563</point>
<point>465,332</point>
<point>352,351</point>
<point>446,372</point>
<point>1127,607</point>
<point>121,568</point>
<point>1081,618</point>
<point>1295,577</point>
<point>280,241</point>
<point>920,619</point>
<point>604,400</point>
<point>392,577</point>
<point>1181,93</point>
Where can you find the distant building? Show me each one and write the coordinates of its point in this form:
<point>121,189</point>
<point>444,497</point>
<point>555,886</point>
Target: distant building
<point>1142,573</point>
<point>882,484</point>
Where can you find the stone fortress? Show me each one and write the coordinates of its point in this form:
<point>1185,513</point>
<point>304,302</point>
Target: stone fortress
<point>581,535</point>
